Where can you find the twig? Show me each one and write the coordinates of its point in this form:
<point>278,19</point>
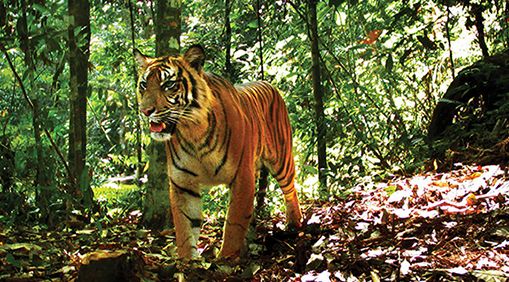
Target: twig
<point>4,127</point>
<point>468,200</point>
<point>447,31</point>
<point>25,95</point>
<point>96,117</point>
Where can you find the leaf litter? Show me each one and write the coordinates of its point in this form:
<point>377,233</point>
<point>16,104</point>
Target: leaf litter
<point>432,226</point>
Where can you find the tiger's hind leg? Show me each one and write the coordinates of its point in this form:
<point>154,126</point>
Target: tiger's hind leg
<point>239,214</point>
<point>285,176</point>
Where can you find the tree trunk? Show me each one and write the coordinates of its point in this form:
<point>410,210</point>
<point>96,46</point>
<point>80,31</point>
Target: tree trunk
<point>318,96</point>
<point>42,179</point>
<point>448,33</point>
<point>477,10</point>
<point>79,42</point>
<point>260,37</point>
<point>167,27</point>
<point>7,162</point>
<point>139,165</point>
<point>156,207</point>
<point>228,69</point>
<point>263,181</point>
<point>506,25</point>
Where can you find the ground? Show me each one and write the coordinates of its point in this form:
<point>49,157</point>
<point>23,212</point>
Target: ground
<point>432,227</point>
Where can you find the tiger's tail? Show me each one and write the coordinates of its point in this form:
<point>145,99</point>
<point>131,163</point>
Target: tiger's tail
<point>263,182</point>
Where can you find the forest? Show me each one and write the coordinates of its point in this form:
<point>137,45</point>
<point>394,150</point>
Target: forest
<point>400,122</point>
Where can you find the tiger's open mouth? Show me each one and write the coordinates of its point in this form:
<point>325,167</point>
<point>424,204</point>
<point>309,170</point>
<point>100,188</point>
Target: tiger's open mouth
<point>168,128</point>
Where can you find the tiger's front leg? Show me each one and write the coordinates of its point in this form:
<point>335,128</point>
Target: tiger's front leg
<point>187,217</point>
<point>240,211</point>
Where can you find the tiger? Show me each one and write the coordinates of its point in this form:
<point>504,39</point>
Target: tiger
<point>215,133</point>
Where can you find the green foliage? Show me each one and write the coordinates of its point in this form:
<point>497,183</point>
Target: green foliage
<point>384,66</point>
<point>118,199</point>
<point>214,201</point>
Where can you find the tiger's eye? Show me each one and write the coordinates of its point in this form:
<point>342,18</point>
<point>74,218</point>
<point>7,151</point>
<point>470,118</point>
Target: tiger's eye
<point>169,84</point>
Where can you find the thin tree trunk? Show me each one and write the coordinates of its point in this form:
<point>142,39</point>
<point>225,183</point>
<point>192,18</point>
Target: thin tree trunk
<point>447,31</point>
<point>139,165</point>
<point>167,27</point>
<point>42,179</point>
<point>506,25</point>
<point>228,70</point>
<point>25,45</point>
<point>156,210</point>
<point>260,36</point>
<point>318,96</point>
<point>3,15</point>
<point>79,42</point>
<point>38,144</point>
<point>477,9</point>
<point>25,39</point>
<point>264,173</point>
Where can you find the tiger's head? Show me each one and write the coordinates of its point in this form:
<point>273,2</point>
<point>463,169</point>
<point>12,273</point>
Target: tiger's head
<point>171,90</point>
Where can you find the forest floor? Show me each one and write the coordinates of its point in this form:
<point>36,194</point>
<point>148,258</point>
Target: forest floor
<point>429,227</point>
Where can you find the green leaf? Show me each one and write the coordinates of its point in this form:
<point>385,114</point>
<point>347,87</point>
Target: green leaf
<point>490,275</point>
<point>501,231</point>
<point>21,247</point>
<point>12,261</point>
<point>253,24</point>
<point>85,231</point>
<point>250,271</point>
<point>390,189</point>
<point>40,8</point>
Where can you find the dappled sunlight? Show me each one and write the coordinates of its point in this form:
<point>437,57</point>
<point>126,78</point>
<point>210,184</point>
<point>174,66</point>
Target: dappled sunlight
<point>398,111</point>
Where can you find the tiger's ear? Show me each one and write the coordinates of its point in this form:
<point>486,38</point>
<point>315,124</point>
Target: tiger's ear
<point>142,60</point>
<point>195,56</point>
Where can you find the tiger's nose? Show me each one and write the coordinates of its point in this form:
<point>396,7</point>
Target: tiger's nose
<point>148,111</point>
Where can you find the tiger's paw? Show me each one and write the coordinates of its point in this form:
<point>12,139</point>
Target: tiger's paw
<point>294,219</point>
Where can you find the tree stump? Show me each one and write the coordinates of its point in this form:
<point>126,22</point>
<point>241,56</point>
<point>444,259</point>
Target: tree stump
<point>107,266</point>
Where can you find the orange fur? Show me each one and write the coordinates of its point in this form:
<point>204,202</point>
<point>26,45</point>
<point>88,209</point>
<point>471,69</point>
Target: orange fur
<point>216,133</point>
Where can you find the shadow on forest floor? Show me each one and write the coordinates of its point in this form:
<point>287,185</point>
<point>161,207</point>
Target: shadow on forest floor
<point>432,226</point>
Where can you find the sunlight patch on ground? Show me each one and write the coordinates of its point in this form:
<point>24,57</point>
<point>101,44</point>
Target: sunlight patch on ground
<point>112,190</point>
